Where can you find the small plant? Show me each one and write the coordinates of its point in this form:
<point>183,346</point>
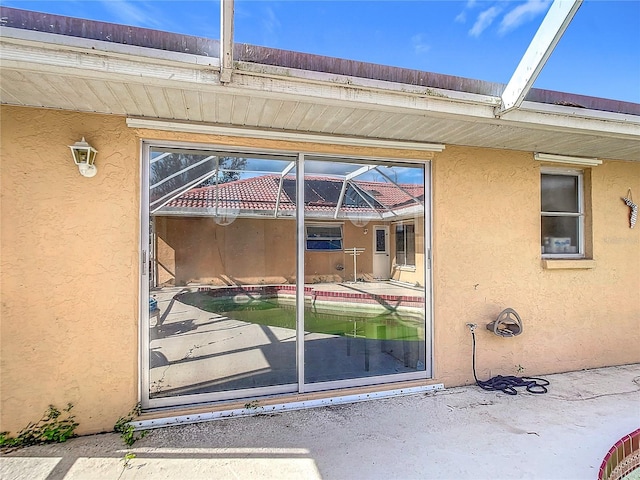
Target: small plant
<point>126,430</point>
<point>127,459</point>
<point>55,426</point>
<point>252,405</point>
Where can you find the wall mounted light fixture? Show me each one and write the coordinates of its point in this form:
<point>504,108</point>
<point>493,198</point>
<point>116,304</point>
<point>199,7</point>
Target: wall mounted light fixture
<point>84,156</point>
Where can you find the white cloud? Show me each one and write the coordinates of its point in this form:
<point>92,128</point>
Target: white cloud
<point>134,13</point>
<point>523,13</point>
<point>462,17</point>
<point>484,20</point>
<point>420,45</point>
<point>270,21</point>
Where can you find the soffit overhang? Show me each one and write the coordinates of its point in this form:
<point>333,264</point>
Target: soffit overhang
<point>51,70</point>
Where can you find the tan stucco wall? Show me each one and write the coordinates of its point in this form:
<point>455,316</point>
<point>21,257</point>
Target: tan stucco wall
<point>487,257</point>
<point>251,251</point>
<point>70,280</point>
<point>69,266</point>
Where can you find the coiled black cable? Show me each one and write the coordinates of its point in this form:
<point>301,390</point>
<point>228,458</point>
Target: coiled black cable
<point>508,384</point>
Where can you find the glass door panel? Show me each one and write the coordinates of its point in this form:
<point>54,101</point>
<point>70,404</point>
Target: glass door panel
<point>360,321</point>
<point>222,275</point>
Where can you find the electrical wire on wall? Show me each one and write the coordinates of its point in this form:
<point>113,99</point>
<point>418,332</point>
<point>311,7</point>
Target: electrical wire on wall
<point>508,383</point>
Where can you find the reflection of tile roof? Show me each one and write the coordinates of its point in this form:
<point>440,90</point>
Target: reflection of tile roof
<point>322,194</point>
<point>257,193</point>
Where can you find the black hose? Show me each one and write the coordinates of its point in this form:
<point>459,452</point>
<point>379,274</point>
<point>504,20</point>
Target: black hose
<point>508,384</point>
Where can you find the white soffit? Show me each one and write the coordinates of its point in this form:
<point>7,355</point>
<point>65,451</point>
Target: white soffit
<point>278,135</point>
<point>56,71</point>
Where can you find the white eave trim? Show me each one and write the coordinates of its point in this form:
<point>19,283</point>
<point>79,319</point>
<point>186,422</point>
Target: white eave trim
<point>37,52</point>
<point>280,135</point>
<point>310,76</point>
<point>55,42</point>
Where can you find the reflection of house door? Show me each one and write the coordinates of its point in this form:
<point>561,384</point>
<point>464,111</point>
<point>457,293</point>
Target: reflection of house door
<point>381,258</point>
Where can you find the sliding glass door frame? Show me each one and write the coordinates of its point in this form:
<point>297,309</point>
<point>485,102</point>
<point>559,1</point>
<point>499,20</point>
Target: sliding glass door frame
<point>146,272</point>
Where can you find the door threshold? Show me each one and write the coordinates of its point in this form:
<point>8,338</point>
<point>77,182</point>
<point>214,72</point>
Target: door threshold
<point>255,408</point>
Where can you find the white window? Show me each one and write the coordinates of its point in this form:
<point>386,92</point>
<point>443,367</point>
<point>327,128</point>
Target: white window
<point>562,213</point>
<point>405,244</point>
<point>324,237</point>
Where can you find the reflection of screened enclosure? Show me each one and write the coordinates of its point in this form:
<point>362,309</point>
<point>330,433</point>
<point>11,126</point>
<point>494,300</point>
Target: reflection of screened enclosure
<point>198,183</point>
<point>329,241</point>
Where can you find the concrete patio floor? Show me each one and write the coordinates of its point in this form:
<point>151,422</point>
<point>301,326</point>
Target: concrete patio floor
<point>457,433</point>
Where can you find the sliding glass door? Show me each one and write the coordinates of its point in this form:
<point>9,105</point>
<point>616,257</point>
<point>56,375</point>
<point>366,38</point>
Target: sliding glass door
<point>359,324</point>
<point>270,273</point>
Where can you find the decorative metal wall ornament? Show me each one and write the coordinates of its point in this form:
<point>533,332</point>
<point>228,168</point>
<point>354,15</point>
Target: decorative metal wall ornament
<point>633,214</point>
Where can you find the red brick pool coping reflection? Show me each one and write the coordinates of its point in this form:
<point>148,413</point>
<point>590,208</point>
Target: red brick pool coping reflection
<point>315,294</point>
<point>622,459</point>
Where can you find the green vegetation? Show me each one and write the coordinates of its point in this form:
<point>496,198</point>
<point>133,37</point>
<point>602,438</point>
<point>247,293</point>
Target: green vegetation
<point>126,430</point>
<point>55,426</point>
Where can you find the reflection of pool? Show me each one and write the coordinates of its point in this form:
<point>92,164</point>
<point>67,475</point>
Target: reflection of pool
<point>276,312</point>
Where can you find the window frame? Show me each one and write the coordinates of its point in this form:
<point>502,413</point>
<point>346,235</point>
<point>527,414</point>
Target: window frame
<point>579,215</point>
<point>403,225</point>
<point>323,225</point>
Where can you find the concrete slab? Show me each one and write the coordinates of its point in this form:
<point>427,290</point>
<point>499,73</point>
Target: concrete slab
<point>458,433</point>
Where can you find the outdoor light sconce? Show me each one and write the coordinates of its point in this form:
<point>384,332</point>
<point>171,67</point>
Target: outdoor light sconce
<point>84,156</point>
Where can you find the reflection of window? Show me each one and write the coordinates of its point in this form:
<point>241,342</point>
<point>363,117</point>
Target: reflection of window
<point>562,216</point>
<point>405,244</point>
<point>324,237</point>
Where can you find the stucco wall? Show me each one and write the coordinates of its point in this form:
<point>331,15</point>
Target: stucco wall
<point>70,266</point>
<point>251,251</point>
<point>487,257</point>
<point>69,269</point>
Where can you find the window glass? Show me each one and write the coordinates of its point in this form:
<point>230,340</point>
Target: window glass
<point>381,241</point>
<point>560,235</point>
<point>322,237</point>
<point>223,236</point>
<point>559,193</point>
<point>357,323</point>
<point>562,213</point>
<point>405,245</point>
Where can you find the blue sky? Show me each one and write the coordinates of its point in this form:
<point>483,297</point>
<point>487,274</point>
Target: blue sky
<point>599,55</point>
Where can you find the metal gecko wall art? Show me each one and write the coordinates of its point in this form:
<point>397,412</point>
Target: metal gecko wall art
<point>633,214</point>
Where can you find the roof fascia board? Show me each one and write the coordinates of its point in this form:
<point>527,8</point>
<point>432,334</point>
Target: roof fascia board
<point>279,135</point>
<point>310,76</point>
<point>327,89</point>
<point>538,52</point>
<point>579,112</point>
<point>125,68</point>
<point>581,122</point>
<point>55,41</point>
<point>89,64</point>
<point>401,102</point>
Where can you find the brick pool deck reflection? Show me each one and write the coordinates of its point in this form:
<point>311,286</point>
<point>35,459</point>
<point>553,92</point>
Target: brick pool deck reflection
<point>383,293</point>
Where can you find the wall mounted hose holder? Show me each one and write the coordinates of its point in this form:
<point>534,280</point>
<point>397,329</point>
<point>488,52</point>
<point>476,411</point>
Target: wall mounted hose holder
<point>508,324</point>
